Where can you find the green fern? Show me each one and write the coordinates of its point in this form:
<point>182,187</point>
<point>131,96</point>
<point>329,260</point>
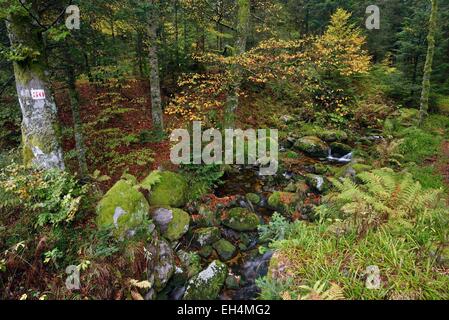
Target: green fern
<point>382,195</point>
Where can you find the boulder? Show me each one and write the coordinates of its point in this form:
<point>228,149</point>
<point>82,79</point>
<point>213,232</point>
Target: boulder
<point>123,207</point>
<point>340,149</point>
<point>171,190</point>
<point>225,249</point>
<point>317,182</point>
<point>206,251</point>
<point>351,170</point>
<point>253,198</point>
<point>283,202</point>
<point>333,135</point>
<point>206,236</point>
<point>161,264</point>
<point>191,262</point>
<point>241,219</point>
<point>313,146</point>
<point>233,282</point>
<point>208,283</point>
<point>173,223</point>
<point>207,217</point>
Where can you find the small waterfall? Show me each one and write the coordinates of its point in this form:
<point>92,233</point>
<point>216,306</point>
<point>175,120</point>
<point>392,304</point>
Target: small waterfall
<point>345,159</point>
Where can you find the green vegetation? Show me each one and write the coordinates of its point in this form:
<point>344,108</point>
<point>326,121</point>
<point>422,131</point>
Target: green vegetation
<point>358,209</point>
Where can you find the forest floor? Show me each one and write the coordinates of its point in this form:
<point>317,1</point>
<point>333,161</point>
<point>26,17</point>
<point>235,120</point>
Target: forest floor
<point>124,112</point>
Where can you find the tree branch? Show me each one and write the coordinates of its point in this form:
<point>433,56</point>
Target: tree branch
<point>5,85</point>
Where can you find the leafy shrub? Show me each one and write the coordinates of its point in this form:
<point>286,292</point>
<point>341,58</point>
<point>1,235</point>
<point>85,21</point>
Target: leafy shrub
<point>275,230</point>
<point>54,196</point>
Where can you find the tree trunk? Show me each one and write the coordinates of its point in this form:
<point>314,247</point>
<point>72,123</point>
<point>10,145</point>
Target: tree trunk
<point>232,101</point>
<point>155,88</point>
<point>139,52</point>
<point>429,61</point>
<point>176,34</point>
<point>77,123</point>
<point>40,128</point>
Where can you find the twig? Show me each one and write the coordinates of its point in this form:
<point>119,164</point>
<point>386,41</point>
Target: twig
<point>6,84</point>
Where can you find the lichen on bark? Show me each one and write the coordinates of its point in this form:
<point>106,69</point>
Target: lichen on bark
<point>40,128</point>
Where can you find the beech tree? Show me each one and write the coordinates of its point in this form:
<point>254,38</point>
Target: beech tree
<point>156,101</point>
<point>40,140</point>
<point>243,24</point>
<point>424,107</point>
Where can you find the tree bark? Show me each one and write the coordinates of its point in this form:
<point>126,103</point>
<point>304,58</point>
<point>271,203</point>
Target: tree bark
<point>77,123</point>
<point>429,61</point>
<point>40,127</point>
<point>155,88</point>
<point>232,101</point>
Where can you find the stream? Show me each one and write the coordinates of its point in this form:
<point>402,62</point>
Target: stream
<point>249,265</point>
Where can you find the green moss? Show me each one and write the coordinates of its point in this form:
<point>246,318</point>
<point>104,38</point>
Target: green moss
<point>291,155</point>
<point>191,261</point>
<point>171,190</point>
<point>208,283</point>
<point>241,219</point>
<point>356,168</point>
<point>206,236</point>
<point>253,198</point>
<point>126,203</point>
<point>332,135</point>
<point>312,146</point>
<point>225,249</point>
<point>178,226</point>
<point>206,251</point>
<point>282,202</point>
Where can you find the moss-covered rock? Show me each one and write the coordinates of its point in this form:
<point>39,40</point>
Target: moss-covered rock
<point>233,282</point>
<point>320,168</point>
<point>253,198</point>
<point>207,217</point>
<point>162,265</point>
<point>225,249</point>
<point>191,262</point>
<point>208,283</point>
<point>206,236</point>
<point>340,149</point>
<point>123,207</point>
<point>291,155</point>
<point>206,251</point>
<point>312,146</point>
<point>317,182</point>
<point>241,219</point>
<point>173,223</point>
<point>171,190</point>
<point>332,135</point>
<point>351,170</point>
<point>283,202</point>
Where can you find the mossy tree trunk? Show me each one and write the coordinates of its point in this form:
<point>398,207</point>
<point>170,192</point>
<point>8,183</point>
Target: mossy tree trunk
<point>40,128</point>
<point>155,87</point>
<point>243,24</point>
<point>424,107</point>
